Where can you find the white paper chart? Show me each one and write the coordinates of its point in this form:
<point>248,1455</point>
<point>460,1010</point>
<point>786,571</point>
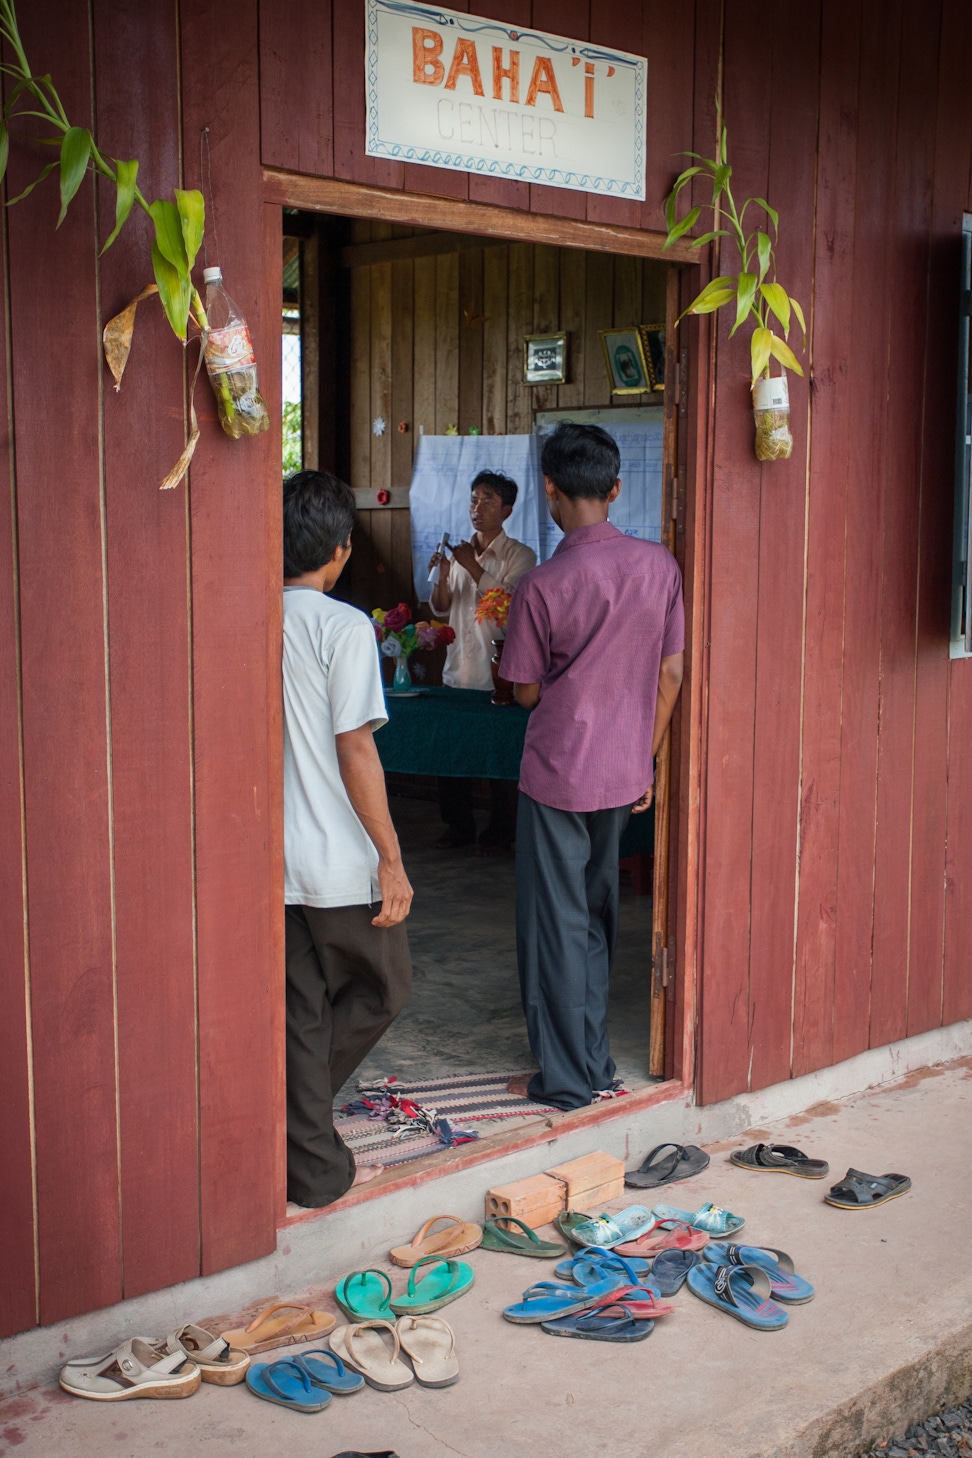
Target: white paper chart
<point>637,511</point>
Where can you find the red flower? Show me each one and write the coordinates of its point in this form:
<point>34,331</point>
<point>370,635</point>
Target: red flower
<point>447,636</point>
<point>398,618</point>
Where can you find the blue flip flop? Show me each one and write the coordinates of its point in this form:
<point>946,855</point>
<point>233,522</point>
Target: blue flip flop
<point>711,1218</point>
<point>546,1300</point>
<point>739,1291</point>
<point>287,1385</point>
<point>608,1324</point>
<point>593,1263</point>
<point>785,1284</point>
<point>670,1267</point>
<point>608,1230</point>
<point>325,1369</point>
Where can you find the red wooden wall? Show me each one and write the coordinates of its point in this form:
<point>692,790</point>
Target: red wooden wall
<point>140,1000</point>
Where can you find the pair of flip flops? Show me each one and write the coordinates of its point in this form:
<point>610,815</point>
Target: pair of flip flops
<point>680,1162</point>
<point>497,1235</point>
<point>305,1382</point>
<point>749,1283</point>
<point>584,1281</point>
<point>374,1349</point>
<point>269,1329</point>
<point>367,1295</point>
<point>664,1235</point>
<point>628,1315</point>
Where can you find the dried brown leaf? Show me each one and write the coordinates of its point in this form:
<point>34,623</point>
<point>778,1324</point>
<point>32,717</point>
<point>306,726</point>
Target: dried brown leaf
<point>117,335</point>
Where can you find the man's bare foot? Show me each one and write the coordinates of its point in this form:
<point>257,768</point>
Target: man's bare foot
<point>518,1086</point>
<point>366,1172</point>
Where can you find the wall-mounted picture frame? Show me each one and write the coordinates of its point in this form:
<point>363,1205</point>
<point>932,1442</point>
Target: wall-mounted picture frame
<point>625,361</point>
<point>653,338</point>
<point>545,359</point>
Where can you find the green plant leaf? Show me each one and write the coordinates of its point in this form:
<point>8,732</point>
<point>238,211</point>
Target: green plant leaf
<point>718,291</point>
<point>708,237</point>
<point>689,221</point>
<point>168,236</point>
<point>192,215</point>
<point>778,299</point>
<point>745,293</point>
<point>672,197</point>
<point>28,190</point>
<point>174,291</point>
<point>720,179</point>
<point>800,319</point>
<point>764,249</point>
<point>770,212</point>
<point>780,350</point>
<point>125,175</point>
<point>760,347</point>
<point>75,151</point>
<point>723,142</point>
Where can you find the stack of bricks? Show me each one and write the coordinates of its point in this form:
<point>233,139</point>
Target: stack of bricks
<point>581,1184</point>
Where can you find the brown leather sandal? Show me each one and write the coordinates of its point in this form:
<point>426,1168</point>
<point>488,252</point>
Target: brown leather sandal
<point>458,1238</point>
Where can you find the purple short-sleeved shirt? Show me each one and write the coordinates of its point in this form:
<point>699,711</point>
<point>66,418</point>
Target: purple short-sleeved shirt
<point>591,626</point>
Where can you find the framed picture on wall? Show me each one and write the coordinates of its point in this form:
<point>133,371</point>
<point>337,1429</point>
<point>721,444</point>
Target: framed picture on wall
<point>653,338</point>
<point>545,359</point>
<point>625,361</point>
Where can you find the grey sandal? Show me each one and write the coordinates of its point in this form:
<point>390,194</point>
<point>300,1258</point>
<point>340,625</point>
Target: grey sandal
<point>780,1159</point>
<point>857,1191</point>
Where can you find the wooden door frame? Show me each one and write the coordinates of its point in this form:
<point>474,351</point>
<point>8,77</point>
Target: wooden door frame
<point>673,964</point>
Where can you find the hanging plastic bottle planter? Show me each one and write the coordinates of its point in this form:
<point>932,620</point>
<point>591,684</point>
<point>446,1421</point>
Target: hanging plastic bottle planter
<point>771,411</point>
<point>231,363</point>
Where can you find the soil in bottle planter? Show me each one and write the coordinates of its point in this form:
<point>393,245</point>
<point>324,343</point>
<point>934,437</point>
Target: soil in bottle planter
<point>231,363</point>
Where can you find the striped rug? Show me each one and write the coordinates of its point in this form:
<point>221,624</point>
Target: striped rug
<point>466,1101</point>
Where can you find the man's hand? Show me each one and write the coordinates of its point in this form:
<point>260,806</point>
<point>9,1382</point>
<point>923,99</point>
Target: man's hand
<point>396,893</point>
<point>437,559</point>
<point>465,555</point>
<point>640,806</point>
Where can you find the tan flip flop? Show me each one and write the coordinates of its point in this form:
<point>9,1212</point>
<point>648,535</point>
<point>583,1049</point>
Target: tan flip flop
<point>458,1238</point>
<point>216,1359</point>
<point>363,1347</point>
<point>263,1333</point>
<point>135,1369</point>
<point>431,1344</point>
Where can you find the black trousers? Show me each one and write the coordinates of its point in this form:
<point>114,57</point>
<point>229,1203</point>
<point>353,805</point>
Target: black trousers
<point>566,932</point>
<point>346,983</point>
<point>456,809</point>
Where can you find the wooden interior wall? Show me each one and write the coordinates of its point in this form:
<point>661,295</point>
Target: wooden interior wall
<point>436,343</point>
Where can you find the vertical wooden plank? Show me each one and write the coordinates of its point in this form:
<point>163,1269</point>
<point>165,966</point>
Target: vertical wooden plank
<point>310,351</point>
<point>519,397</point>
<point>619,24</point>
<point>669,42</point>
<point>867,391</point>
<point>55,393</point>
<point>627,292</point>
<point>570,18</point>
<point>332,342</point>
<point>423,377</point>
<point>598,314</point>
<point>18,1292</point>
<point>296,88</point>
<point>348,85</point>
<point>813,995</point>
<point>470,326</point>
<point>907,304</point>
<point>654,289</point>
<point>957,988</point>
<point>136,68</point>
<point>240,982</point>
<point>503,192</point>
<point>573,275</point>
<point>446,342</point>
<point>938,783</point>
<point>546,311</point>
<point>381,362</point>
<point>779,631</point>
<point>495,268</point>
<point>360,411</point>
<point>402,317</point>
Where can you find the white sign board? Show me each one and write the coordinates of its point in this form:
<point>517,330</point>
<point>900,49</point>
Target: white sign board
<point>475,95</point>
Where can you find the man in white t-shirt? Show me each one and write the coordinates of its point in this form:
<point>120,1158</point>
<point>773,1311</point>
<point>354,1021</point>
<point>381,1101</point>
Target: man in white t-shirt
<point>349,973</point>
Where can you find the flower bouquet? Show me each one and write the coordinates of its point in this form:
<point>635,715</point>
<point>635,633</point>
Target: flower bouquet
<point>398,637</point>
<point>494,607</point>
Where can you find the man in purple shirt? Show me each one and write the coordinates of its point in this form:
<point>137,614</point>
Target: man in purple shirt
<point>594,646</point>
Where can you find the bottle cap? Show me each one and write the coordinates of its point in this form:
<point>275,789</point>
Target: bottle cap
<point>212,275</point>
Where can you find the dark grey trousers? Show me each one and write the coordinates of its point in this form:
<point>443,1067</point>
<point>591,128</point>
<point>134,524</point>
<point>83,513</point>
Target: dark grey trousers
<point>346,982</point>
<point>566,930</point>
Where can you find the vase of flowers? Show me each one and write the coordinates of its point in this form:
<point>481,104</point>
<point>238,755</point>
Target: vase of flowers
<point>398,638</point>
<point>494,607</point>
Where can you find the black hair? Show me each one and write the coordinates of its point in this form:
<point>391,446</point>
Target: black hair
<point>581,461</point>
<point>318,514</point>
<point>504,486</point>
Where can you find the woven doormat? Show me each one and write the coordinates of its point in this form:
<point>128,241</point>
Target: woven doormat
<point>462,1101</point>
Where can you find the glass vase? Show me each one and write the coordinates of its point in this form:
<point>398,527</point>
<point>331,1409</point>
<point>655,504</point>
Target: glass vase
<point>402,681</point>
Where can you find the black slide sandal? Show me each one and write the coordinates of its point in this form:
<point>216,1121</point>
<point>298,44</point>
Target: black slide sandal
<point>780,1159</point>
<point>858,1191</point>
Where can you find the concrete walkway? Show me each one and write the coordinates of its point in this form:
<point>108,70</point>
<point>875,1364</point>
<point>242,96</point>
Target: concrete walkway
<point>887,1339</point>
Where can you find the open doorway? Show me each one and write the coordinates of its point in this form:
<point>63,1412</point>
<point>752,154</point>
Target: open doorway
<point>393,333</point>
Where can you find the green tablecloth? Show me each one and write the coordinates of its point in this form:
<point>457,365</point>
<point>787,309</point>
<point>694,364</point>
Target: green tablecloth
<point>446,731</point>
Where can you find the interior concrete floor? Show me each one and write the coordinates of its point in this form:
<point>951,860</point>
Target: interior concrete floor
<point>464,1015</point>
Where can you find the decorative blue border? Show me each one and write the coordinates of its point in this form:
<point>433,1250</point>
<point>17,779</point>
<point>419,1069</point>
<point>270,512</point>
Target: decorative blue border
<point>456,161</point>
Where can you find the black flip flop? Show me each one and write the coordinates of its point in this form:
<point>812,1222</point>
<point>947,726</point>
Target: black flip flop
<point>684,1161</point>
<point>669,1269</point>
<point>857,1191</point>
<point>780,1159</point>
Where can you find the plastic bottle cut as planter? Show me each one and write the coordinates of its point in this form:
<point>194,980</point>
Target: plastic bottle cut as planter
<point>771,411</point>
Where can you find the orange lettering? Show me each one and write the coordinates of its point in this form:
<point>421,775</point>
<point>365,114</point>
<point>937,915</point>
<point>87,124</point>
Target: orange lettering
<point>426,50</point>
<point>465,62</point>
<point>588,88</point>
<point>511,74</point>
<point>543,79</point>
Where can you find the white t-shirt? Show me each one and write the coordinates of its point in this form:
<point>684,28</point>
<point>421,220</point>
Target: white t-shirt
<point>331,685</point>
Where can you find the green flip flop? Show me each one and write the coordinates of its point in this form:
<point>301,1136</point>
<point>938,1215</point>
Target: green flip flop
<point>442,1282</point>
<point>567,1222</point>
<point>365,1296</point>
<point>510,1243</point>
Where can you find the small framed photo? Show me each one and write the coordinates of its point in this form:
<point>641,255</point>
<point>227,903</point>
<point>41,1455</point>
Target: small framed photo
<point>653,338</point>
<point>625,361</point>
<point>545,359</point>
